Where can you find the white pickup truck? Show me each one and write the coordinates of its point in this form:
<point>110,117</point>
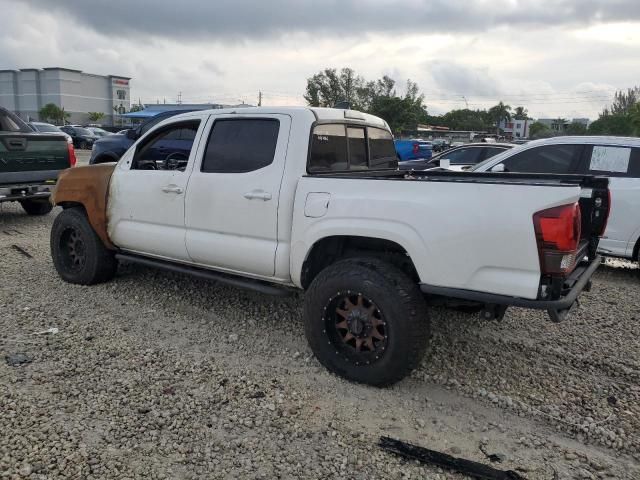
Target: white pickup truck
<point>278,198</point>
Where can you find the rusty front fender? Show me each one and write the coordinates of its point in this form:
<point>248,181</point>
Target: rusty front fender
<point>89,187</point>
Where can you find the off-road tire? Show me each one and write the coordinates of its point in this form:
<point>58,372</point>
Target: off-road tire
<point>400,303</point>
<point>99,263</point>
<point>36,207</point>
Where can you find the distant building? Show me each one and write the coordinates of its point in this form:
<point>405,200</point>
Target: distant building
<point>27,90</point>
<point>561,124</point>
<point>516,128</point>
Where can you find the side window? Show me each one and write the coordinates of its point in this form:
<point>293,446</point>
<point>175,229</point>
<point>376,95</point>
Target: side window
<point>613,161</point>
<point>381,149</point>
<point>328,149</point>
<point>464,156</point>
<point>545,159</point>
<point>167,149</point>
<point>357,148</point>
<point>491,151</point>
<point>241,145</point>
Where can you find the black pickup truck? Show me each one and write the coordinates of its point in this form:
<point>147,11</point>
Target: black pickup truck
<point>30,163</point>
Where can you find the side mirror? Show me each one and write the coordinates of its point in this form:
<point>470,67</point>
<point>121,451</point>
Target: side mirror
<point>498,168</point>
<point>132,134</point>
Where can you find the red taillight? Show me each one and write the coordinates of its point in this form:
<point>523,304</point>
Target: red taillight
<point>72,154</point>
<point>558,235</point>
<point>416,148</point>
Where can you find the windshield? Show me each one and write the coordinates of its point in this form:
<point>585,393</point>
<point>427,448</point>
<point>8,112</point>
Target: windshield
<point>83,131</point>
<point>45,127</point>
<point>489,160</point>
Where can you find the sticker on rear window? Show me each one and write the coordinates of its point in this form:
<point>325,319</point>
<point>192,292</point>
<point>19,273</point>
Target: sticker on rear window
<point>610,159</point>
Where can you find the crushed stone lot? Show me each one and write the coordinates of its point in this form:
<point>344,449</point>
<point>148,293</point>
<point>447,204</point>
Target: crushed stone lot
<point>158,375</point>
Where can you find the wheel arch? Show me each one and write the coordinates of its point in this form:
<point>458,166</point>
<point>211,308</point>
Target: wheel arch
<point>328,250</point>
<point>87,187</point>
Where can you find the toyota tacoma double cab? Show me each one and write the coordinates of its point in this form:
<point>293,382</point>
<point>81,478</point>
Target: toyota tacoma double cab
<point>30,163</point>
<point>274,199</point>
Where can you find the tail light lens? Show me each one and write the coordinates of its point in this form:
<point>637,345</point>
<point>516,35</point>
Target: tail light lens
<point>416,148</point>
<point>558,236</point>
<point>72,154</point>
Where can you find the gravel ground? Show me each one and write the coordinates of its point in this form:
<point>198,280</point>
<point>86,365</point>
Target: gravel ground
<point>156,375</point>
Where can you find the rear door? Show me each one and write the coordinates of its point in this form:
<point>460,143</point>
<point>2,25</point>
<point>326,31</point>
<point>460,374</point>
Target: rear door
<point>233,193</point>
<point>622,165</point>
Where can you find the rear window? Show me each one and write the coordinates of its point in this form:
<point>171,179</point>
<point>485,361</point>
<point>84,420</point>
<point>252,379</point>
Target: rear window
<point>339,148</point>
<point>381,148</point>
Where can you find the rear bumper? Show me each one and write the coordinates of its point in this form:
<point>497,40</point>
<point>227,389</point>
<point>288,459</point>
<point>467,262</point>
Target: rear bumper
<point>11,193</point>
<point>575,283</point>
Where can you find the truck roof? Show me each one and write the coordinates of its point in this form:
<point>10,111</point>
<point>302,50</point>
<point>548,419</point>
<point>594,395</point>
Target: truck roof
<point>321,114</point>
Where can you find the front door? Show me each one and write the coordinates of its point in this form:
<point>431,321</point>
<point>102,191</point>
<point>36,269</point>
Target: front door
<point>232,199</point>
<point>146,207</point>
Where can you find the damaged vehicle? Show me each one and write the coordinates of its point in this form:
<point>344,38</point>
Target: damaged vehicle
<point>275,199</point>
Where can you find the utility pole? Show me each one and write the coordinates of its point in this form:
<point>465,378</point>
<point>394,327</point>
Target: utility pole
<point>465,101</point>
<point>259,98</point>
<point>179,98</point>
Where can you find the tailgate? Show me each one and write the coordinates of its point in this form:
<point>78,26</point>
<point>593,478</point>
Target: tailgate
<point>26,152</point>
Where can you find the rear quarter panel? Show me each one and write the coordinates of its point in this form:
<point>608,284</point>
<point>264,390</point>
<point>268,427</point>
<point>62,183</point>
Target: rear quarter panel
<point>475,236</point>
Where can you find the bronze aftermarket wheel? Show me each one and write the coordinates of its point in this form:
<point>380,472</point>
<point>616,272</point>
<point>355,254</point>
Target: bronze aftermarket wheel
<point>367,321</point>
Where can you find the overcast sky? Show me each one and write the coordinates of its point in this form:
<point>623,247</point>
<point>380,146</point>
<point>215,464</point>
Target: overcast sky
<point>557,58</point>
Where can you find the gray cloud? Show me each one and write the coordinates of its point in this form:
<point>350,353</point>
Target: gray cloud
<point>234,20</point>
<point>452,77</point>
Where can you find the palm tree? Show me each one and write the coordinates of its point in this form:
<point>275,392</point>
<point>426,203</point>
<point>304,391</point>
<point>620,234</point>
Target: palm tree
<point>521,113</point>
<point>499,113</point>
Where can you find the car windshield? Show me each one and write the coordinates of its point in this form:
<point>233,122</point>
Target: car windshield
<point>83,131</point>
<point>479,166</point>
<point>45,127</point>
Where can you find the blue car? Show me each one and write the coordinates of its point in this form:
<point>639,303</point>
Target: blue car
<point>112,147</point>
<point>413,149</point>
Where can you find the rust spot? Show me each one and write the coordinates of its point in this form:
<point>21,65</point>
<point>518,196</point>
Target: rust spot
<point>88,186</point>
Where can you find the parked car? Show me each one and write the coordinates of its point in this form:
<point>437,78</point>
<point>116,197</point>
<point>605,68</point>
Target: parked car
<point>440,144</point>
<point>43,127</point>
<point>272,199</point>
<point>30,163</point>
<point>461,158</point>
<point>413,149</point>
<point>617,158</point>
<point>82,138</point>
<point>112,147</point>
<point>99,132</point>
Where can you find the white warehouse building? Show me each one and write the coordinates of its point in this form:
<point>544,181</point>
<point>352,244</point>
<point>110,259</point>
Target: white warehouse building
<point>27,90</point>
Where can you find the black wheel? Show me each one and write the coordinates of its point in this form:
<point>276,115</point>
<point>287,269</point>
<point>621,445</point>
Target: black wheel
<point>36,207</point>
<point>367,321</point>
<point>77,252</point>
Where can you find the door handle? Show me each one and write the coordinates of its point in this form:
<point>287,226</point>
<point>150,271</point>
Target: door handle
<point>172,189</point>
<point>258,195</point>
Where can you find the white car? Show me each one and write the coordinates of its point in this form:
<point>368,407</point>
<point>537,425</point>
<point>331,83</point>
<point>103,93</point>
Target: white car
<point>278,198</point>
<point>617,158</point>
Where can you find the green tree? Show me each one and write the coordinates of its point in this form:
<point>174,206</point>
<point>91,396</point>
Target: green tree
<point>499,113</point>
<point>610,124</point>
<point>520,113</point>
<point>52,113</point>
<point>379,97</point>
<point>576,128</point>
<point>464,119</point>
<point>96,116</point>
<point>539,130</point>
<point>623,101</point>
<point>634,114</point>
